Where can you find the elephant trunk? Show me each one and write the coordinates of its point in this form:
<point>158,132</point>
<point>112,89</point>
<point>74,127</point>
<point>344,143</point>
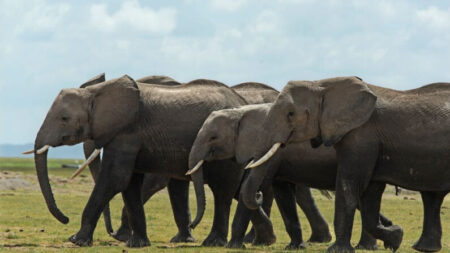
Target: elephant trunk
<point>199,187</point>
<point>253,198</point>
<point>94,167</point>
<point>40,161</point>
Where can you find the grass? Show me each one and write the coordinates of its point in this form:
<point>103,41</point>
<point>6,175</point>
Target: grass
<point>27,226</point>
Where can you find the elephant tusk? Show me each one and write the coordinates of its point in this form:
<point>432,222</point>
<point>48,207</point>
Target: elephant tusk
<point>43,149</point>
<point>199,164</point>
<point>86,163</point>
<point>28,152</point>
<point>267,156</point>
<point>249,164</point>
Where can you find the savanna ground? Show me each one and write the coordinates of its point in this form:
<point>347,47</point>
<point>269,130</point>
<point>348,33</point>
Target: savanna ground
<point>26,225</point>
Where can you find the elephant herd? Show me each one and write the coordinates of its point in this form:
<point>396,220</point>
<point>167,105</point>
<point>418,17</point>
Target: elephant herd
<point>255,144</point>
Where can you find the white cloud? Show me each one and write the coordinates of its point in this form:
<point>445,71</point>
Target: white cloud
<point>435,17</point>
<point>132,15</point>
<point>266,22</point>
<point>39,16</point>
<point>228,5</point>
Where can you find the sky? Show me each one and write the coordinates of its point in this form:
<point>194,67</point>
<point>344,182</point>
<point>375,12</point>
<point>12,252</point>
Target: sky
<point>48,45</point>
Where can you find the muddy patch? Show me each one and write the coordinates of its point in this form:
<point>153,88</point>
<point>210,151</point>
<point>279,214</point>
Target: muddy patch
<point>15,181</point>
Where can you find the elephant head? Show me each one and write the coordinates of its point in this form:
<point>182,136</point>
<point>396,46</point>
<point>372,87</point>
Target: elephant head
<point>318,111</point>
<point>94,112</point>
<point>225,134</point>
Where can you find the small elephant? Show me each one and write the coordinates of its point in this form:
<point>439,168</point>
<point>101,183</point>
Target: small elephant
<point>142,128</point>
<point>380,136</point>
<point>231,133</point>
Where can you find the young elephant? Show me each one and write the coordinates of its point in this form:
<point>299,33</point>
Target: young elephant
<point>231,133</point>
<point>380,136</point>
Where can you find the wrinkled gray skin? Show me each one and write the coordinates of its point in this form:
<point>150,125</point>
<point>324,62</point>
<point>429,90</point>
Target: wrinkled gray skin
<point>253,93</point>
<point>380,136</point>
<point>231,133</point>
<point>141,128</point>
<point>152,182</point>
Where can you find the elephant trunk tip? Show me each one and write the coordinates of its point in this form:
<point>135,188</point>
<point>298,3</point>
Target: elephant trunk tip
<point>254,202</point>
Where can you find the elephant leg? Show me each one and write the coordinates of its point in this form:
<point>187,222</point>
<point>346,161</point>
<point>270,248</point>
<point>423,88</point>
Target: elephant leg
<point>430,240</point>
<point>285,197</point>
<point>319,226</point>
<point>114,177</point>
<point>239,226</point>
<point>94,167</point>
<point>151,185</point>
<point>345,206</point>
<point>135,210</point>
<point>179,198</point>
<point>219,230</point>
<point>370,213</point>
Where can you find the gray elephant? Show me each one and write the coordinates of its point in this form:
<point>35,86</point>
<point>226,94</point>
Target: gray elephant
<point>380,136</point>
<point>141,128</point>
<point>152,182</point>
<point>231,133</point>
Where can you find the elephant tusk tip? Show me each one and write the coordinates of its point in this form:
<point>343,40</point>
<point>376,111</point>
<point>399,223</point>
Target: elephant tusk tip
<point>28,152</point>
<point>249,165</point>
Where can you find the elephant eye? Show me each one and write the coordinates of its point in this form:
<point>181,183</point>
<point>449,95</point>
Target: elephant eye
<point>213,138</point>
<point>65,118</point>
<point>290,115</point>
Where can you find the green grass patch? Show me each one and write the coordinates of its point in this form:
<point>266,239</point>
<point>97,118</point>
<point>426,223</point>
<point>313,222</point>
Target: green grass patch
<point>27,226</point>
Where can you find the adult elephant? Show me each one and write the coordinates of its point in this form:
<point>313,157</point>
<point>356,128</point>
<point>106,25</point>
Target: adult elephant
<point>253,93</point>
<point>380,136</point>
<point>151,184</point>
<point>231,133</point>
<point>141,128</point>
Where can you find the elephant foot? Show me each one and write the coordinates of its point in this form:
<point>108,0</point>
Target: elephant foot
<point>295,245</point>
<point>367,242</point>
<point>123,234</point>
<point>81,240</point>
<point>395,239</point>
<point>250,237</point>
<point>235,244</point>
<point>264,241</point>
<point>138,241</point>
<point>320,237</point>
<point>182,238</point>
<point>428,244</point>
<point>264,236</point>
<point>341,248</point>
<point>215,240</point>
<point>367,246</point>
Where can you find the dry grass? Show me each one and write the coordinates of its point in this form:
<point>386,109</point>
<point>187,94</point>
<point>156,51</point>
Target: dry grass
<point>27,226</point>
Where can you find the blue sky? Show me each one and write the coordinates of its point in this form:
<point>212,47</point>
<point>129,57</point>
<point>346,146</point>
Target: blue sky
<point>49,45</point>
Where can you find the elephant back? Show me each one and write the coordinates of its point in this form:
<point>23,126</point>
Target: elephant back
<point>256,93</point>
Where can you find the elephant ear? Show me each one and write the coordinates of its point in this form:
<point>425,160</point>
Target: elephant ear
<point>115,106</point>
<point>347,104</point>
<point>94,80</point>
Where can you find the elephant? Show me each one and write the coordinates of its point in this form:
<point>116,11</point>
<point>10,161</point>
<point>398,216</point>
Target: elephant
<point>230,133</point>
<point>253,92</point>
<point>380,136</point>
<point>142,128</point>
<point>152,182</point>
